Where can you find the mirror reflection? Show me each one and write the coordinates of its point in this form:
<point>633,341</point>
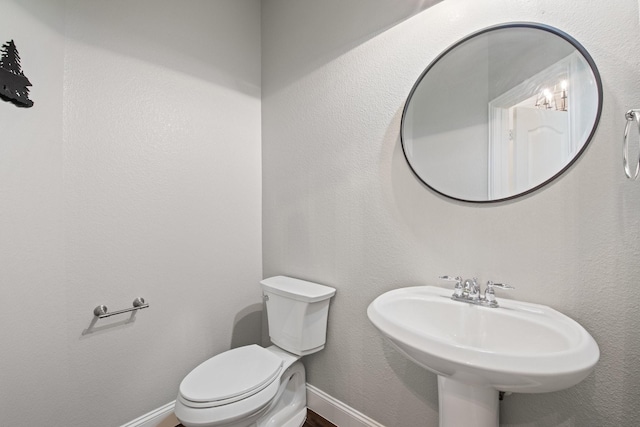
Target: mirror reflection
<point>501,113</point>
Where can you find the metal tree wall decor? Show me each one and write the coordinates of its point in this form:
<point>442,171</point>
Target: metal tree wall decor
<point>14,85</point>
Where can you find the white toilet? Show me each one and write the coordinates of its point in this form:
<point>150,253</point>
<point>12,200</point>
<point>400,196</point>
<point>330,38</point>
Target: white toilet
<point>252,386</point>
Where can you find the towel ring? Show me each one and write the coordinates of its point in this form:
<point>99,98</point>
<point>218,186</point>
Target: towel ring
<point>631,115</point>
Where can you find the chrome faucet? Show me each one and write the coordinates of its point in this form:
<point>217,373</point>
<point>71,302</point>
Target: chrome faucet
<point>469,291</point>
<point>472,289</point>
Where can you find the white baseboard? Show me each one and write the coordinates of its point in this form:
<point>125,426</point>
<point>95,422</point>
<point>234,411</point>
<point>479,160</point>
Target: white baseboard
<point>318,401</point>
<point>161,417</point>
<point>333,410</point>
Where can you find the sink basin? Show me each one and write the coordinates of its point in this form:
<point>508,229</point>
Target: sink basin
<point>518,347</point>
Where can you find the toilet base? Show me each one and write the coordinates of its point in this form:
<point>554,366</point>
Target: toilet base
<point>289,407</point>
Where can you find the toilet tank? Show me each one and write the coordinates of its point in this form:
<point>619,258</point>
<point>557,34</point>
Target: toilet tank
<point>297,313</point>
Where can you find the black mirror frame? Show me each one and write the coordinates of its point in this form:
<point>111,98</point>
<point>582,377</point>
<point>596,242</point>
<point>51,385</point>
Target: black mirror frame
<point>585,54</point>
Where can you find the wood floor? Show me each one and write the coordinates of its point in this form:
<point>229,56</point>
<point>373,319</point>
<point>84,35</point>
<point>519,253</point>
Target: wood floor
<point>313,420</point>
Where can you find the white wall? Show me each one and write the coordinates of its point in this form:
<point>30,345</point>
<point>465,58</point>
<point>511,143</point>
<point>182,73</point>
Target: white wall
<point>136,173</point>
<point>341,207</point>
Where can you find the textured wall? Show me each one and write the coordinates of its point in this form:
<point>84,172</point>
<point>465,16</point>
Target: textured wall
<point>341,207</point>
<point>136,173</point>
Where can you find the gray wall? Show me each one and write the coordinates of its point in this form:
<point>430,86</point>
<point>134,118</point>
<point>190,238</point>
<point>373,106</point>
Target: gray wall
<point>341,207</point>
<point>136,173</point>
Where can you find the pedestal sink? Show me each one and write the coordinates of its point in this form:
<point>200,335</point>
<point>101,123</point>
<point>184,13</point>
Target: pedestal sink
<point>478,351</point>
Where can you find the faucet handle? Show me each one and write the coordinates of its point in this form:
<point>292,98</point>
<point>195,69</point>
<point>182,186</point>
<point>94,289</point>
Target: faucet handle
<point>491,285</point>
<point>489,294</point>
<point>458,290</point>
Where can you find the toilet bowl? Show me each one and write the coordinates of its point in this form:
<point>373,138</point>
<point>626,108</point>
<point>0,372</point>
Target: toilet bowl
<point>255,386</point>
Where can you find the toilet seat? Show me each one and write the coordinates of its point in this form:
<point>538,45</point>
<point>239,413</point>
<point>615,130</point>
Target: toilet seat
<point>232,376</point>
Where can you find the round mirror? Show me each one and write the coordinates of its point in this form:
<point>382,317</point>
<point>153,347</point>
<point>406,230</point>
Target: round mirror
<point>501,113</point>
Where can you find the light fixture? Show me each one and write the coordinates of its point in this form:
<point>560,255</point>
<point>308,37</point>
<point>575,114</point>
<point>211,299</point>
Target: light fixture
<point>554,99</point>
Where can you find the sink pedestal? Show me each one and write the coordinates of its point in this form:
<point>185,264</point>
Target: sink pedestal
<point>462,404</point>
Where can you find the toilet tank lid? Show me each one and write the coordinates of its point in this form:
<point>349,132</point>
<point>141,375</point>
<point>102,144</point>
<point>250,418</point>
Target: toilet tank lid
<point>297,289</point>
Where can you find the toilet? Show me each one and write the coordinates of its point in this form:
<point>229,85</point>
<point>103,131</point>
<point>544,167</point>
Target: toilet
<point>253,386</point>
